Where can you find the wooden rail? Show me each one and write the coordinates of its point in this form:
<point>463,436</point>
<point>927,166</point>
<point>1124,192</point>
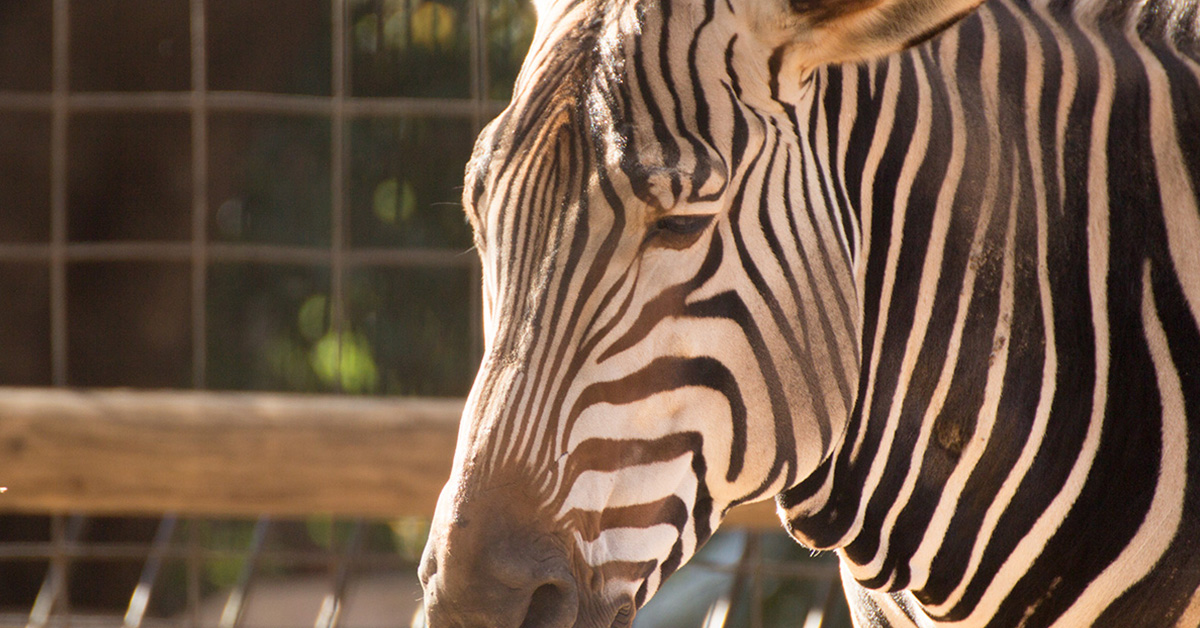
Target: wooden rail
<point>125,452</point>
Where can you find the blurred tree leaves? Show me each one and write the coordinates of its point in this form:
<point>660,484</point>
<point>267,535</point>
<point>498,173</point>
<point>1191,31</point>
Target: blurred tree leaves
<point>410,48</point>
<point>394,202</point>
<point>422,47</point>
<point>395,25</point>
<point>508,26</point>
<point>344,361</point>
<point>432,26</point>
<point>417,322</point>
<point>410,534</point>
<point>404,330</point>
<point>273,182</point>
<point>406,178</point>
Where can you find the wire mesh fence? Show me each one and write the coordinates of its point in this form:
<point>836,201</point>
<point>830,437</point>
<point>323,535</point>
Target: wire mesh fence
<point>207,572</point>
<point>214,194</point>
<point>324,572</point>
<point>178,156</point>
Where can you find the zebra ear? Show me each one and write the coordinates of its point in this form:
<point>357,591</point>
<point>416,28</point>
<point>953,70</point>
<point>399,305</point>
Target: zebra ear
<point>840,31</point>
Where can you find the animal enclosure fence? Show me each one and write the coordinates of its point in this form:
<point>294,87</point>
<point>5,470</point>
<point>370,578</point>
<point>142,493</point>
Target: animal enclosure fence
<point>182,157</point>
<point>270,510</point>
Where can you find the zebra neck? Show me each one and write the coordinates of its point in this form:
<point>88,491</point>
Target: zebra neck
<point>890,139</point>
<point>921,210</point>
<point>977,171</point>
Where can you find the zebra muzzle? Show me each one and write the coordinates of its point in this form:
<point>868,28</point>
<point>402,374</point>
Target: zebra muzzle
<point>488,565</point>
<point>500,589</point>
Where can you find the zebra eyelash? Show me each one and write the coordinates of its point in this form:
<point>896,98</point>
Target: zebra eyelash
<point>683,224</point>
<point>679,231</point>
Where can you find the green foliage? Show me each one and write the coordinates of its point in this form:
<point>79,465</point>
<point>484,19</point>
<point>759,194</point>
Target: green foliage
<point>394,203</point>
<point>510,25</point>
<point>230,539</point>
<point>405,182</point>
<point>328,533</point>
<point>403,330</point>
<point>279,179</point>
<point>397,25</point>
<point>410,48</point>
<point>418,325</point>
<point>313,319</point>
<point>410,535</point>
<point>344,361</point>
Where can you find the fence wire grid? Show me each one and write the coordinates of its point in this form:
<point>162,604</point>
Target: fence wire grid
<point>196,572</point>
<point>187,572</point>
<point>301,154</point>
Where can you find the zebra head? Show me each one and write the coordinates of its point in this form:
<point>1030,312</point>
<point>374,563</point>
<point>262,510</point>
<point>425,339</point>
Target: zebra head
<point>668,295</point>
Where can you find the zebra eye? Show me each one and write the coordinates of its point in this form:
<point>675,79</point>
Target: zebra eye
<point>682,230</point>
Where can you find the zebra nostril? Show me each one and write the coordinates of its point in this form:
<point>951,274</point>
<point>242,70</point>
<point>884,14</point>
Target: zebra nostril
<point>552,605</point>
<point>624,617</point>
<point>428,567</point>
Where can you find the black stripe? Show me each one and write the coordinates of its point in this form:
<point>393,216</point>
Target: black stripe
<point>1121,483</point>
<point>665,374</point>
<point>1166,591</point>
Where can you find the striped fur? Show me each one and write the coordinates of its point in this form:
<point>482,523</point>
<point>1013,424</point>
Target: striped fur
<point>944,303</point>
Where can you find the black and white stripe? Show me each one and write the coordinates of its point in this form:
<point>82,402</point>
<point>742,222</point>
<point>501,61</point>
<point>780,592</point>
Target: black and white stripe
<point>1022,440</point>
<point>945,303</point>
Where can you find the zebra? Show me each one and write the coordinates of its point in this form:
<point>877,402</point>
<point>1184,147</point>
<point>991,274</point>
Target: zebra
<point>927,272</point>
